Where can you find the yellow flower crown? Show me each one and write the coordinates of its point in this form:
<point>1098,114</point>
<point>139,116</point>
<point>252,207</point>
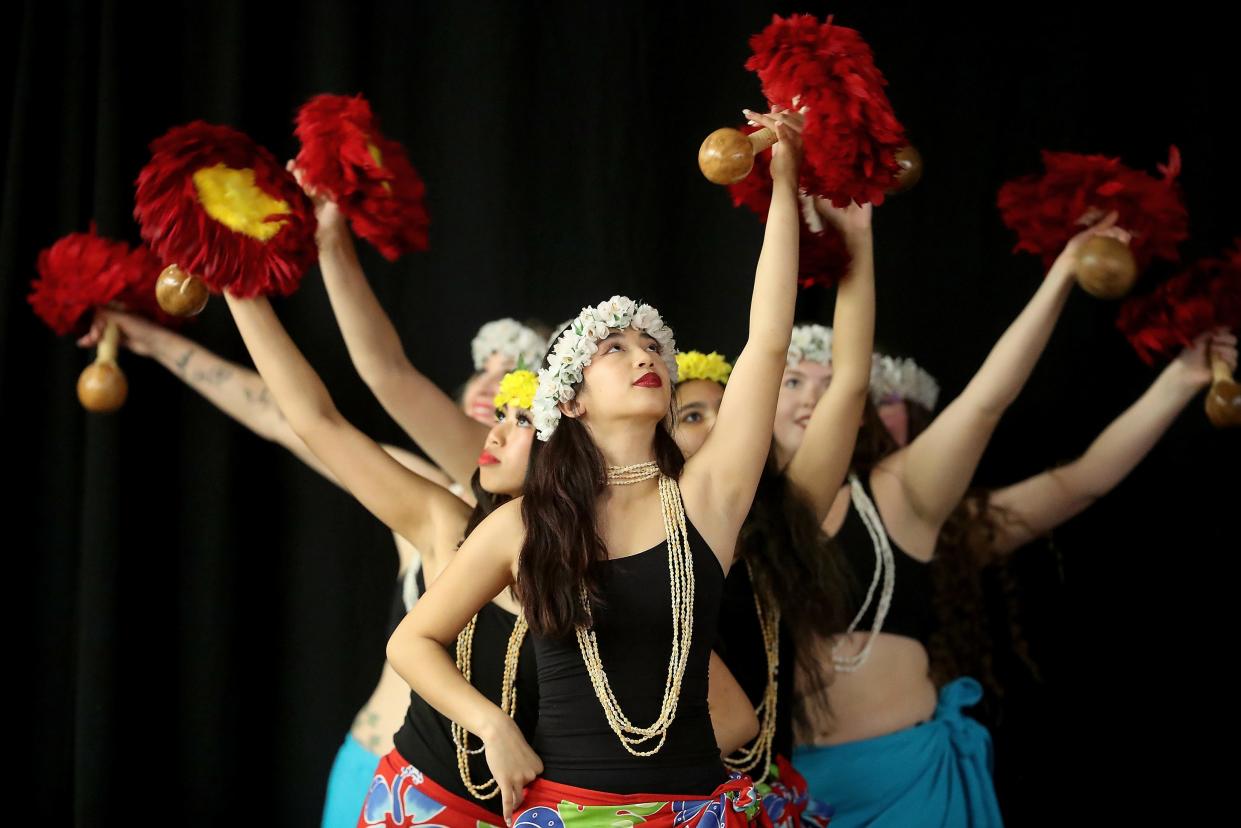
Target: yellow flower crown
<point>695,365</point>
<point>517,388</point>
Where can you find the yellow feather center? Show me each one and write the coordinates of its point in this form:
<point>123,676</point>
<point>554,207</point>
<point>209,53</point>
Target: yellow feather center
<point>378,158</point>
<point>232,198</point>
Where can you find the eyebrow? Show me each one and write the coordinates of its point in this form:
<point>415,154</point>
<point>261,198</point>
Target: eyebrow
<point>688,406</point>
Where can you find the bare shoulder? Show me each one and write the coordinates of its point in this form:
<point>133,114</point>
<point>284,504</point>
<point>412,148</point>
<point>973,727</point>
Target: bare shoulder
<point>502,532</point>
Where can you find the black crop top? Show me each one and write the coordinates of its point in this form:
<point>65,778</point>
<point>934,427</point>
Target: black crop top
<point>634,633</point>
<point>912,611</point>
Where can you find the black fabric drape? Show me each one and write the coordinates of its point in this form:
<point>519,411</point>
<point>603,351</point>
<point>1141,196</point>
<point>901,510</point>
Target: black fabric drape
<point>199,616</point>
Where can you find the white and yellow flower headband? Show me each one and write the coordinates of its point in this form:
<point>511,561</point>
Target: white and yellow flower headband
<point>576,346</point>
<point>695,365</point>
<point>508,337</point>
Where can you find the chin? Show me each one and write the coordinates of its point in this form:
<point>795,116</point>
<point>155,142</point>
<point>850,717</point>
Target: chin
<point>786,441</point>
<point>491,478</point>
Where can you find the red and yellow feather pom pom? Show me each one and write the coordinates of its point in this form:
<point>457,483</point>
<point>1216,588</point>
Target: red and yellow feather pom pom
<point>84,271</point>
<point>824,257</point>
<point>1076,190</point>
<point>345,156</point>
<point>221,207</point>
<point>851,133</point>
<point>1207,295</point>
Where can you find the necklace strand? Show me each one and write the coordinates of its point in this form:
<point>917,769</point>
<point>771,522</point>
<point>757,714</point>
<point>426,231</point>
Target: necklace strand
<point>681,578</point>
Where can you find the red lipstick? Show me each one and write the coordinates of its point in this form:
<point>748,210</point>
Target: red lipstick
<point>487,459</point>
<point>649,380</point>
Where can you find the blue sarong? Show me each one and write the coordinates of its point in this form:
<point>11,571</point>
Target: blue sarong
<point>937,773</point>
<point>348,783</point>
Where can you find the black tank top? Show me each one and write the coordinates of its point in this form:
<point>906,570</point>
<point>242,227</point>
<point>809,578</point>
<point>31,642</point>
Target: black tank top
<point>425,739</point>
<point>741,646</point>
<point>912,612</point>
<point>634,632</point>
<point>397,609</point>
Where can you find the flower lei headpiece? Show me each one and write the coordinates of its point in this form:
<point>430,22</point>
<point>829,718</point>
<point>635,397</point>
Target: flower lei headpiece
<point>811,343</point>
<point>508,337</point>
<point>575,348</point>
<point>517,388</point>
<point>903,378</point>
<point>695,365</point>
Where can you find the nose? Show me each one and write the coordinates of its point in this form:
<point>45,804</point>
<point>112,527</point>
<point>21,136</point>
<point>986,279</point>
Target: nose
<point>498,435</point>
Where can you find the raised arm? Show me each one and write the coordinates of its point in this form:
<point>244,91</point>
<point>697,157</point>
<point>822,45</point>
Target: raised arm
<point>429,416</point>
<point>936,468</point>
<point>425,514</point>
<point>822,460</point>
<point>236,390</point>
<point>724,473</point>
<point>480,570</point>
<point>1039,504</point>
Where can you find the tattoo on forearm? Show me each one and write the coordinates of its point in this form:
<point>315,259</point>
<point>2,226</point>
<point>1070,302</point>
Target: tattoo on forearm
<point>261,397</point>
<point>212,376</point>
<point>180,362</point>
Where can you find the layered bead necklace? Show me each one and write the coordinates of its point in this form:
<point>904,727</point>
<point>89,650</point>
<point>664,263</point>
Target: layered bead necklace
<point>758,753</point>
<point>681,577</point>
<point>508,700</point>
<point>885,567</point>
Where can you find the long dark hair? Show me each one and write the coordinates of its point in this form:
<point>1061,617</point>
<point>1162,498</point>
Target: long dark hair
<point>563,550</point>
<point>794,564</point>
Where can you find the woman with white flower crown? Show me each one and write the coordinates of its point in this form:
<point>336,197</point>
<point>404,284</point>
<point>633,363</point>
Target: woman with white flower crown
<point>984,529</point>
<point>618,553</point>
<point>890,752</point>
<point>788,598</point>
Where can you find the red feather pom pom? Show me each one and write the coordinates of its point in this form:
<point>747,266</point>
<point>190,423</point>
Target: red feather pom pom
<point>851,133</point>
<point>369,176</point>
<point>84,271</point>
<point>1075,190</point>
<point>267,253</point>
<point>824,258</point>
<point>1203,297</point>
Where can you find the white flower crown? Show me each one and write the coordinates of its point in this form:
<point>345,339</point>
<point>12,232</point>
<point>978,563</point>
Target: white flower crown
<point>889,376</point>
<point>903,378</point>
<point>508,337</point>
<point>576,346</point>
<point>811,343</point>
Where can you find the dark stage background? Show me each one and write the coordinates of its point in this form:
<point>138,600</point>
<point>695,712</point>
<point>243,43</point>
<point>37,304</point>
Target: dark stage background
<point>198,617</point>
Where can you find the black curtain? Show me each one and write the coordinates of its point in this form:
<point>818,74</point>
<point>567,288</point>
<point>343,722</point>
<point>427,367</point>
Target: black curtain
<point>198,616</point>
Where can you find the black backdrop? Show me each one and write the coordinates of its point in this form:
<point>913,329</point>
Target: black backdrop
<point>198,616</point>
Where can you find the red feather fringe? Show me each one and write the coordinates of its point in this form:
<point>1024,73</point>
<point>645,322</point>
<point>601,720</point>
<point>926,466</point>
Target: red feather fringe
<point>84,271</point>
<point>180,231</point>
<point>1047,210</point>
<point>384,202</point>
<point>1205,296</point>
<point>824,258</point>
<point>851,133</point>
